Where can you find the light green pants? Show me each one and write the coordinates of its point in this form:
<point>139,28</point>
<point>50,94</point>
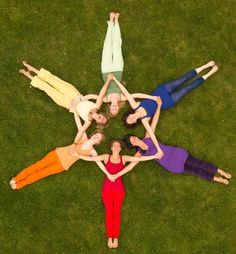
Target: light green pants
<point>112,59</point>
<point>59,90</point>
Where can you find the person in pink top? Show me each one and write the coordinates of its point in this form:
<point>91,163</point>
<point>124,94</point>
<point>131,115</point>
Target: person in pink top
<point>113,193</point>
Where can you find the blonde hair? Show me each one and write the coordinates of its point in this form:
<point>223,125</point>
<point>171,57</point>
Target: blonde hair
<point>98,131</point>
<point>103,125</point>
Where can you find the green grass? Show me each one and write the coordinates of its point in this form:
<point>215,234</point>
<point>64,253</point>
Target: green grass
<point>162,213</point>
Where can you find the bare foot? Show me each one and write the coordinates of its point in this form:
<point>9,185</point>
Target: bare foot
<point>225,181</point>
<point>112,16</point>
<point>117,15</point>
<point>30,68</point>
<point>115,243</point>
<point>109,243</point>
<point>13,184</point>
<point>26,73</point>
<point>212,71</point>
<point>215,69</point>
<point>205,66</point>
<point>210,64</point>
<point>225,174</point>
<point>221,180</point>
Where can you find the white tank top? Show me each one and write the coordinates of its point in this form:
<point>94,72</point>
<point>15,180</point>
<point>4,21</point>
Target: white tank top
<point>83,108</point>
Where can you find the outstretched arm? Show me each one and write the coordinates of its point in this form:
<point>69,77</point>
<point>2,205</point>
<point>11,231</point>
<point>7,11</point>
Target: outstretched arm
<point>90,97</point>
<point>103,91</point>
<point>93,97</point>
<point>126,169</point>
<point>131,100</point>
<point>79,125</point>
<point>152,136</point>
<point>127,158</point>
<point>95,157</point>
<point>144,96</point>
<point>101,166</point>
<point>155,117</point>
<point>81,131</point>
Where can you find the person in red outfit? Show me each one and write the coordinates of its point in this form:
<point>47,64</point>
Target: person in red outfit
<point>113,193</point>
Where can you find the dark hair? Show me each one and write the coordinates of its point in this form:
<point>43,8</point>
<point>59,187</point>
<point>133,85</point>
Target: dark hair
<point>126,141</point>
<point>130,125</point>
<point>128,145</point>
<point>100,132</point>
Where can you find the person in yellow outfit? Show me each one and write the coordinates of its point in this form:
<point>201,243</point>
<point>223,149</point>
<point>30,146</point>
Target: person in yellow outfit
<point>67,96</point>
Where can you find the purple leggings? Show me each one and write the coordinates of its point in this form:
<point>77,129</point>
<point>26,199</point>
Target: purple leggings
<point>199,168</point>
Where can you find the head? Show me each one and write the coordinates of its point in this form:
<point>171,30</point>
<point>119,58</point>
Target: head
<point>132,141</point>
<point>113,109</point>
<point>97,137</point>
<point>116,146</point>
<point>130,119</point>
<point>102,119</point>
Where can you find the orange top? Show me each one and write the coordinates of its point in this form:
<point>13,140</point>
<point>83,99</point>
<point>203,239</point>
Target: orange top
<point>67,154</point>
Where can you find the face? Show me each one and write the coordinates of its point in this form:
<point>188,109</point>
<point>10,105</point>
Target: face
<point>97,138</point>
<point>114,109</point>
<point>101,119</point>
<point>116,147</point>
<point>131,119</point>
<point>135,141</point>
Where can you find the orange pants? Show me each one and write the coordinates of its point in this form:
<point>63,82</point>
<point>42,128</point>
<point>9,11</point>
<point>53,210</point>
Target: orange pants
<point>49,165</point>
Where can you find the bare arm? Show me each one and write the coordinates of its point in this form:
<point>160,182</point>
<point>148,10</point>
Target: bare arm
<point>131,100</point>
<point>102,167</point>
<point>127,158</point>
<point>103,91</point>
<point>152,136</point>
<point>126,169</point>
<point>81,131</point>
<point>79,125</point>
<point>95,158</point>
<point>90,97</point>
<point>144,96</point>
<point>155,117</point>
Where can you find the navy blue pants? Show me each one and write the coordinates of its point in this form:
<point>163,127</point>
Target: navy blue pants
<point>200,168</point>
<point>177,93</point>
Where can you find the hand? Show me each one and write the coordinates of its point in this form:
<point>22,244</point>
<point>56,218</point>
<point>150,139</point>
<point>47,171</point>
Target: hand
<point>111,177</point>
<point>110,76</point>
<point>72,151</point>
<point>159,100</point>
<point>159,154</point>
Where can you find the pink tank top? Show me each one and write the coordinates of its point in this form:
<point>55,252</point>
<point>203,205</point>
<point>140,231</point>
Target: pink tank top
<point>113,168</point>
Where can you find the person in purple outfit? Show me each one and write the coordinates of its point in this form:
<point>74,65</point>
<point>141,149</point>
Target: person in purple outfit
<point>176,159</point>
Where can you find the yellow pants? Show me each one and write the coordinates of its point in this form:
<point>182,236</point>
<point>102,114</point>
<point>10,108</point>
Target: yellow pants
<point>59,90</point>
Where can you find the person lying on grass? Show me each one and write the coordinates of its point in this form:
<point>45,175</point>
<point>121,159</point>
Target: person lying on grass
<point>67,96</point>
<point>176,159</point>
<point>170,93</point>
<point>112,62</point>
<point>60,160</point>
<point>113,193</point>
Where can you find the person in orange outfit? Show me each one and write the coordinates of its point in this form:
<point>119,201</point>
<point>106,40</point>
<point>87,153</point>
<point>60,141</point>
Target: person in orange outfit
<point>60,159</point>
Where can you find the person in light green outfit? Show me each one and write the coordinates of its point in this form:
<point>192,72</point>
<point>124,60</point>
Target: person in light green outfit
<point>112,62</point>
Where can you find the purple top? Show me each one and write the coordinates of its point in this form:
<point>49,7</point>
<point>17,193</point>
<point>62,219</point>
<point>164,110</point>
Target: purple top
<point>174,157</point>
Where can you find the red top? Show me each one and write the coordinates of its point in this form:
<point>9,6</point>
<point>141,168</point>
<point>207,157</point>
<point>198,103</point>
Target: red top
<point>113,168</point>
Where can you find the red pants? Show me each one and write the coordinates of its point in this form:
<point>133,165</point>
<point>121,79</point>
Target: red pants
<point>113,203</point>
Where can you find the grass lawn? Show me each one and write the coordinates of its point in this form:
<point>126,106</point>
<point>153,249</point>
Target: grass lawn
<point>162,212</point>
